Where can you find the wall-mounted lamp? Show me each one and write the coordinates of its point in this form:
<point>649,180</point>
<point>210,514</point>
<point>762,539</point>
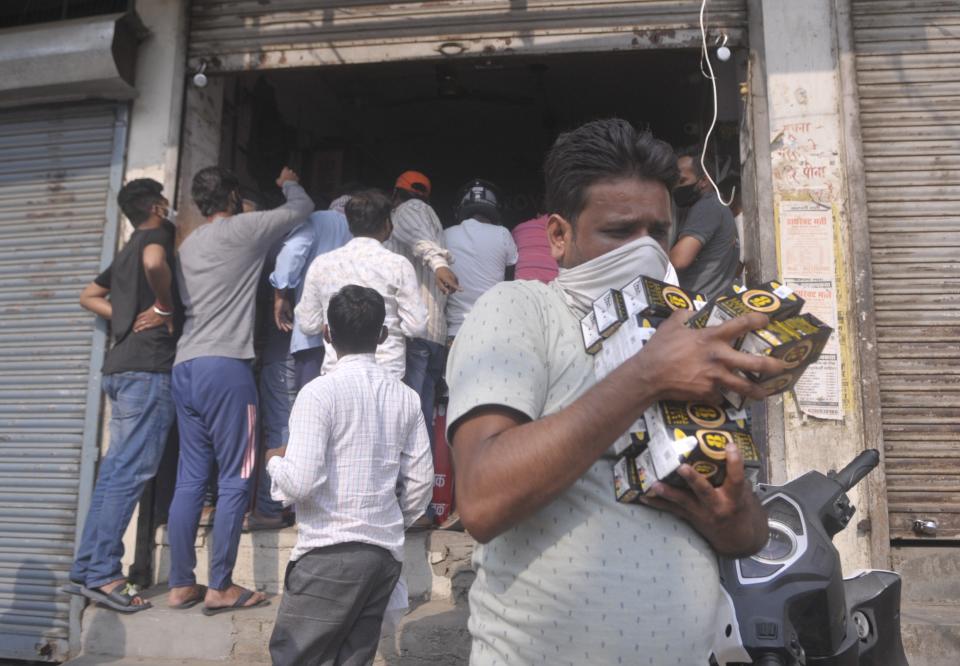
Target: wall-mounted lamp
<point>200,79</point>
<point>723,51</point>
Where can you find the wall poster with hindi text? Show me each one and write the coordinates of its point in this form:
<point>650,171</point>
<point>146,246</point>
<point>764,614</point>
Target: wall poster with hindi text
<point>808,265</point>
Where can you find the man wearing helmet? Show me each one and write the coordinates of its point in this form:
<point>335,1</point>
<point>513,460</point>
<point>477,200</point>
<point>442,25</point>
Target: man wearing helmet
<point>482,249</point>
<point>418,236</point>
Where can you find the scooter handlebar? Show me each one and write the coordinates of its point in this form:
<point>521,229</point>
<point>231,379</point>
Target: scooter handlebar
<point>858,468</point>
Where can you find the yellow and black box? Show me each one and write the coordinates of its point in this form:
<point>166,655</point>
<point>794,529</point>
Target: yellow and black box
<point>675,429</point>
<point>666,417</point>
<point>709,457</point>
<point>627,487</point>
<point>632,442</point>
<point>797,341</point>
<point>776,300</point>
<point>592,340</point>
<point>656,300</point>
<point>610,312</point>
<point>705,451</point>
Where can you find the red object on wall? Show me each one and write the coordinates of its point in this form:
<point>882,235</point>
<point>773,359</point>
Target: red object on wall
<point>442,503</point>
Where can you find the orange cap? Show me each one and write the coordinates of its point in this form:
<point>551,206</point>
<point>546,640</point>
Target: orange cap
<point>413,182</point>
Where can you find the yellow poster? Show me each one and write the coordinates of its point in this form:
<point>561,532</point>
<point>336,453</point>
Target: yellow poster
<point>807,264</point>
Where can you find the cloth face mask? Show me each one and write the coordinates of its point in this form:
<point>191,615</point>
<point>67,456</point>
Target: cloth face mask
<point>584,284</point>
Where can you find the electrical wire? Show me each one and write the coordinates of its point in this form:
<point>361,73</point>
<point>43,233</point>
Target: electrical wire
<point>705,56</point>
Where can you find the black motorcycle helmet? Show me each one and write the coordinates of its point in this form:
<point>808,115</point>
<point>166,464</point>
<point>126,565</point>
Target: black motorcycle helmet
<point>478,197</point>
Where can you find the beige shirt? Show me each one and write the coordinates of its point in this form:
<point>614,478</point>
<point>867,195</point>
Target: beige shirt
<point>418,236</point>
<point>584,580</point>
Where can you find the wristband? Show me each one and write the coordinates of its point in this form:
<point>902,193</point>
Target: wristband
<point>161,312</point>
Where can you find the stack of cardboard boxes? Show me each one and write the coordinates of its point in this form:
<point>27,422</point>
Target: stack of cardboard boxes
<point>673,433</point>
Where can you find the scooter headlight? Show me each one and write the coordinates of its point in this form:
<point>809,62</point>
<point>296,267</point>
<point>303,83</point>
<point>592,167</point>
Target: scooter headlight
<point>781,544</point>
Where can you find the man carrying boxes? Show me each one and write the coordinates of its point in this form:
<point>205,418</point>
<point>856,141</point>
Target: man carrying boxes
<point>534,430</point>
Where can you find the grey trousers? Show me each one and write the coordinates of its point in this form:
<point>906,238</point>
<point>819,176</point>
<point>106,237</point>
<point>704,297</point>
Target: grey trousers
<point>332,607</point>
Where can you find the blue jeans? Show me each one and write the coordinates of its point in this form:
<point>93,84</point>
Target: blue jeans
<point>425,361</point>
<point>278,390</point>
<point>216,400</point>
<point>307,364</point>
<point>141,413</point>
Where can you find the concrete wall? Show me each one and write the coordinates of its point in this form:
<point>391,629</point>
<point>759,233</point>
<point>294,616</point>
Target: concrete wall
<point>154,140</point>
<point>806,134</point>
<point>153,143</point>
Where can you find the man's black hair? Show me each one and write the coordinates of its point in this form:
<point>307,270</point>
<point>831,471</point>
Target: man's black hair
<point>694,152</point>
<point>137,197</point>
<point>355,317</point>
<point>598,151</point>
<point>367,212</point>
<point>211,190</point>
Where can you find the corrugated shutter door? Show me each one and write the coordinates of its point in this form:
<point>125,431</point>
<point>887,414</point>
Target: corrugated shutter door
<point>55,169</point>
<point>909,88</point>
<point>252,34</point>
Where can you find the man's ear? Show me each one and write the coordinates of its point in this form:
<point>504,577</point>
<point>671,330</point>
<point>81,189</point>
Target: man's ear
<point>326,334</point>
<point>383,335</point>
<point>560,236</point>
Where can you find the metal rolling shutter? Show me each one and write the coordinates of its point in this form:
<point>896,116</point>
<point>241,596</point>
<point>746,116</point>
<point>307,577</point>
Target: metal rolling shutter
<point>56,230</point>
<point>252,34</point>
<point>909,89</point>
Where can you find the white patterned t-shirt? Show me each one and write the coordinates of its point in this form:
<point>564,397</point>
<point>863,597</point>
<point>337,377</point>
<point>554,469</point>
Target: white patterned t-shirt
<point>584,580</point>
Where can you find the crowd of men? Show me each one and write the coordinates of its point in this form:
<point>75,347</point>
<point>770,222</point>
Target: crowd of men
<point>365,302</point>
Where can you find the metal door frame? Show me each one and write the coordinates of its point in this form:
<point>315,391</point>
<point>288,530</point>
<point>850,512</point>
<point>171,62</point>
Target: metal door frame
<point>93,416</point>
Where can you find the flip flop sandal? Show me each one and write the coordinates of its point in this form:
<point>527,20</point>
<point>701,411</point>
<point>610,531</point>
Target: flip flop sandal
<point>190,603</point>
<point>73,588</point>
<point>238,605</point>
<point>120,600</point>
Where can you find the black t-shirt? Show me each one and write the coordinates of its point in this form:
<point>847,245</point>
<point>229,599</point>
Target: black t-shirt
<point>130,294</point>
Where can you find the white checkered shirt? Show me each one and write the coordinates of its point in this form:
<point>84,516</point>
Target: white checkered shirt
<point>358,464</point>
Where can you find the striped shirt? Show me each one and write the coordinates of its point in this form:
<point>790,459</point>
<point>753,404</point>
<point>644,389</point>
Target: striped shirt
<point>418,236</point>
<point>358,463</point>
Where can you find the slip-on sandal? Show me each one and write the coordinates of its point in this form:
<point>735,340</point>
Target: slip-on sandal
<point>120,600</point>
<point>238,605</point>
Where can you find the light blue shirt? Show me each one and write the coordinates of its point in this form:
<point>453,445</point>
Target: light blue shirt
<point>323,231</point>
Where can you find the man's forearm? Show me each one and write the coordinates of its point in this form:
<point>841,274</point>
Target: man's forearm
<point>160,280</point>
<point>431,254</point>
<point>292,486</point>
<point>414,501</point>
<point>98,305</point>
<point>508,475</point>
<point>94,298</point>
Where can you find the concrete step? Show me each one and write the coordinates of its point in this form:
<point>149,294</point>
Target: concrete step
<point>433,632</point>
<point>164,633</point>
<point>438,572</point>
<point>100,660</point>
<point>262,559</point>
<point>931,634</point>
